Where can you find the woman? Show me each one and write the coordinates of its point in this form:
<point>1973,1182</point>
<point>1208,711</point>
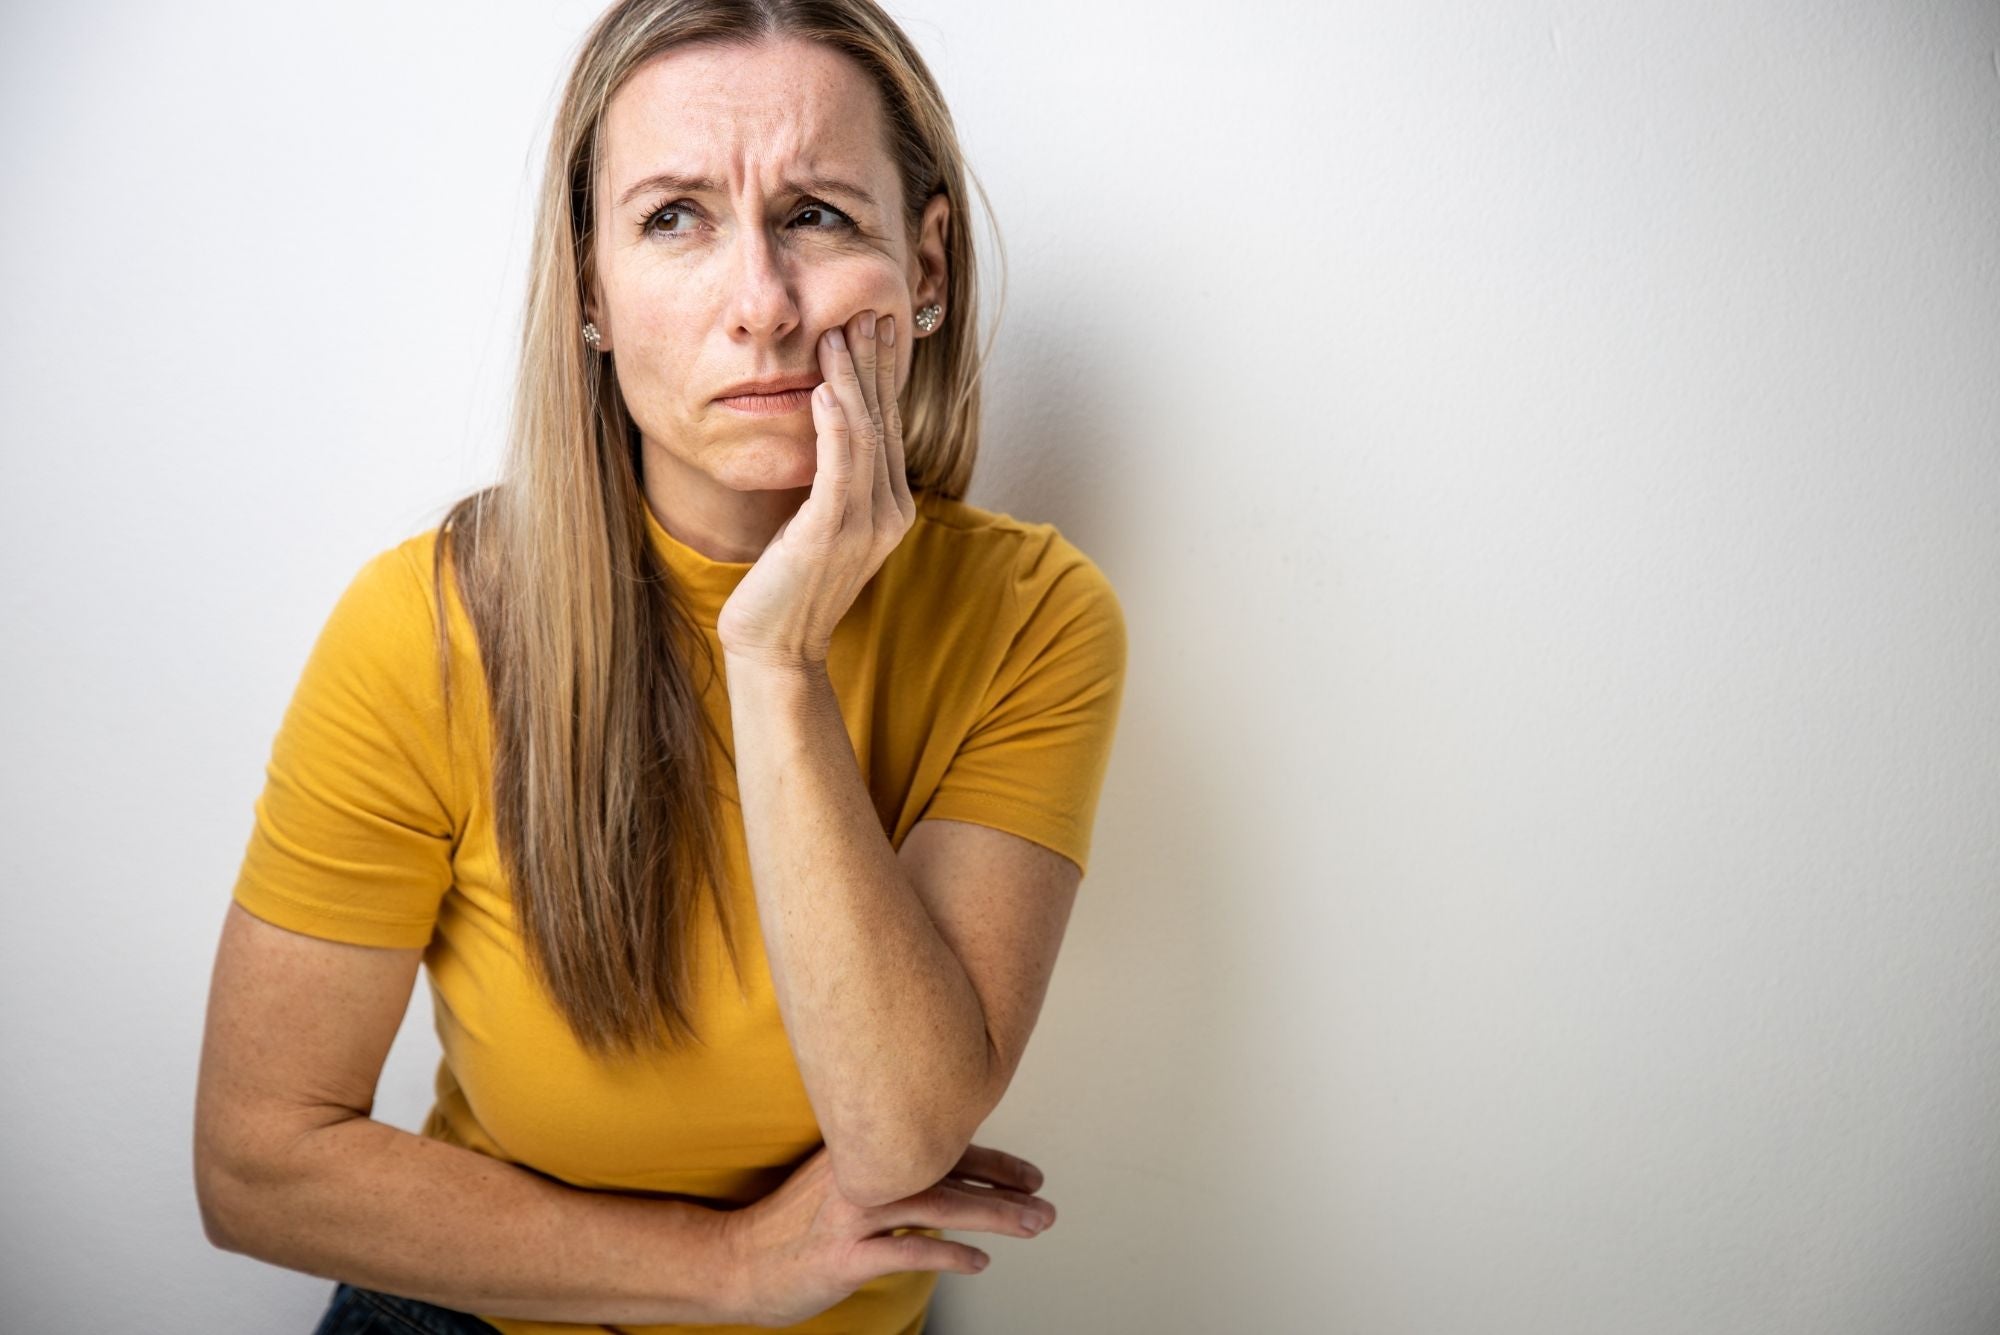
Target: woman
<point>731,776</point>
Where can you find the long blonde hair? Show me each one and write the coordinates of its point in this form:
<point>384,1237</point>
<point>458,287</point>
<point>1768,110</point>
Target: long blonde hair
<point>604,808</point>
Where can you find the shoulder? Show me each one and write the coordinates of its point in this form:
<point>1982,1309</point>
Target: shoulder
<point>988,554</point>
<point>384,627</point>
<point>391,589</point>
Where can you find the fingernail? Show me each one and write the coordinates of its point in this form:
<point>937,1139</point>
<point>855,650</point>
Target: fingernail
<point>834,340</point>
<point>868,324</point>
<point>889,331</point>
<point>1031,1221</point>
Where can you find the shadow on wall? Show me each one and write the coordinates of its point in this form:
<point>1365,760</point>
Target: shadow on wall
<point>1123,1096</point>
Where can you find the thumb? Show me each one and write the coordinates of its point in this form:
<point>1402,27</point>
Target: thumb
<point>918,1251</point>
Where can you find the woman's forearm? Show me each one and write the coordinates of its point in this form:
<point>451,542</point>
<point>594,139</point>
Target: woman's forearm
<point>889,1034</point>
<point>378,1207</point>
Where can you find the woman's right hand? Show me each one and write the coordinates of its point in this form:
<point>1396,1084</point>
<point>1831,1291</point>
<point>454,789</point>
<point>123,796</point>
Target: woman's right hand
<point>805,1246</point>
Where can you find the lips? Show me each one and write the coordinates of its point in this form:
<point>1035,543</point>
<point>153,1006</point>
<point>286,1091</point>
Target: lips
<point>777,384</point>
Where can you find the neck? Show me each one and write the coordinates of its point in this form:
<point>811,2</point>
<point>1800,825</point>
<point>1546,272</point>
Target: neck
<point>722,522</point>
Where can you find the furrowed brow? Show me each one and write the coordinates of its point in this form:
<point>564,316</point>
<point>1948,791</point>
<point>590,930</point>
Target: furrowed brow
<point>679,183</point>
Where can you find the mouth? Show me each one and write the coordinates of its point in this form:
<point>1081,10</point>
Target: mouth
<point>784,401</point>
<point>771,394</point>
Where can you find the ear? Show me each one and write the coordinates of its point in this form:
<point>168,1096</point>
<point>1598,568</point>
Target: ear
<point>593,311</point>
<point>930,279</point>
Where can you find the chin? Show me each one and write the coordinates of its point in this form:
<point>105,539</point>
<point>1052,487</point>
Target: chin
<point>769,463</point>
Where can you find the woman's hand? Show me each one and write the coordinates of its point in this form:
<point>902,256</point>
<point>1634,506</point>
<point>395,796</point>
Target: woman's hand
<point>805,1247</point>
<point>786,606</point>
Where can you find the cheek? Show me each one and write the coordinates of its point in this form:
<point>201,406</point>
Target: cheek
<point>660,335</point>
<point>873,283</point>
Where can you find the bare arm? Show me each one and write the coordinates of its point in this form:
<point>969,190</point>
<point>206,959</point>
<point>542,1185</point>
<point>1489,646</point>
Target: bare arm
<point>891,1038</point>
<point>291,1170</point>
<point>373,1205</point>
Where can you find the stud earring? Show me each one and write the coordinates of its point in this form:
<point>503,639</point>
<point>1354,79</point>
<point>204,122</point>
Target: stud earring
<point>927,318</point>
<point>590,334</point>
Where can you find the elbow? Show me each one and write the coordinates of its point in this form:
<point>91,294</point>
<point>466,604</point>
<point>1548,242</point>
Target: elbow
<point>922,1155</point>
<point>225,1186</point>
<point>211,1198</point>
<point>919,1150</point>
<point>884,1174</point>
<point>882,1179</point>
<point>865,1195</point>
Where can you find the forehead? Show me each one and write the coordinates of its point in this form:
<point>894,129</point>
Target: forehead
<point>746,112</point>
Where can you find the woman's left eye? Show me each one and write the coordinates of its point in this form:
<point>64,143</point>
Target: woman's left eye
<point>840,221</point>
<point>843,221</point>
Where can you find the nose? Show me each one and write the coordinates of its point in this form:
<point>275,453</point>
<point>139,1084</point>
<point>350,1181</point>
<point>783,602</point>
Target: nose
<point>761,301</point>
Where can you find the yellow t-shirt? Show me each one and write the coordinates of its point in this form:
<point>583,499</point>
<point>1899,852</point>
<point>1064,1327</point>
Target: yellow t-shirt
<point>979,675</point>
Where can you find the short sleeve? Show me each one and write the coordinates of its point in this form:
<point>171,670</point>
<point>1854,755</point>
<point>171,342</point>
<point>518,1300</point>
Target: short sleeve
<point>353,832</point>
<point>1034,761</point>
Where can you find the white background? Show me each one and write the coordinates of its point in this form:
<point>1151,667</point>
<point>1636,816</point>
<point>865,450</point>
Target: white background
<point>1549,456</point>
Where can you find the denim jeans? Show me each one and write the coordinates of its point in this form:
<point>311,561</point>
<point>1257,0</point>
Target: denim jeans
<point>356,1311</point>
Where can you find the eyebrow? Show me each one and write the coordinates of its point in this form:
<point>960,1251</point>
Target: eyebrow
<point>679,183</point>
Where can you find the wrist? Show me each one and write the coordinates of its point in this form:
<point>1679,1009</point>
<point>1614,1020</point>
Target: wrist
<point>736,1255</point>
<point>769,688</point>
<point>772,665</point>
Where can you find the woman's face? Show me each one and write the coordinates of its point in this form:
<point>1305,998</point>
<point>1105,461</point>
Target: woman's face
<point>784,219</point>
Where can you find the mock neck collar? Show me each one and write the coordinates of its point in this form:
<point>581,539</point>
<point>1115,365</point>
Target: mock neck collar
<point>706,582</point>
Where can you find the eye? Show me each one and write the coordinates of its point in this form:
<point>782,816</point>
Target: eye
<point>816,206</point>
<point>839,221</point>
<point>670,211</point>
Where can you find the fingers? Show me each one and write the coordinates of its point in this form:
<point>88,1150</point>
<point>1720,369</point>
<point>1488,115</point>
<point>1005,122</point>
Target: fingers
<point>858,360</point>
<point>983,1164</point>
<point>957,1205</point>
<point>836,454</point>
<point>914,1251</point>
<point>836,364</point>
<point>862,341</point>
<point>840,364</point>
<point>882,381</point>
<point>892,424</point>
<point>1006,1207</point>
<point>1024,1213</point>
<point>874,360</point>
<point>885,385</point>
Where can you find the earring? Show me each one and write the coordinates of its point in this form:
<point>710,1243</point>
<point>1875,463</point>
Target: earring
<point>590,334</point>
<point>927,318</point>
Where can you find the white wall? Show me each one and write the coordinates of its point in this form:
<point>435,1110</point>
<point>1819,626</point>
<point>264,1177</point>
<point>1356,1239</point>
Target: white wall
<point>1550,458</point>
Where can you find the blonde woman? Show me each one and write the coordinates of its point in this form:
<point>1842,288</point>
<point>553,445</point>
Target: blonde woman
<point>730,776</point>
